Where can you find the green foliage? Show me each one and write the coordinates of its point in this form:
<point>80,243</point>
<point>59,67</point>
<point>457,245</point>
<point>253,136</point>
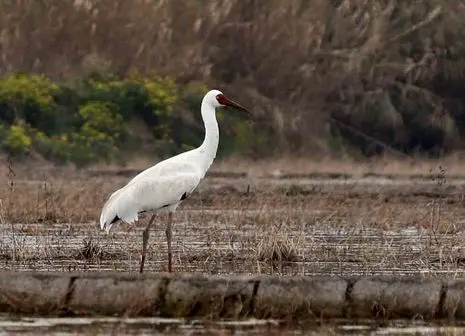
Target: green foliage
<point>15,139</point>
<point>29,98</point>
<point>162,97</point>
<point>102,120</point>
<point>93,119</point>
<point>102,130</point>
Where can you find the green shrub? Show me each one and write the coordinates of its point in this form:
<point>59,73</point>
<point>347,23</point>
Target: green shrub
<point>108,91</point>
<point>162,94</point>
<point>56,147</point>
<point>30,98</point>
<point>15,139</point>
<point>103,120</point>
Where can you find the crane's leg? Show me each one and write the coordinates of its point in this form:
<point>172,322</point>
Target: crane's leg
<point>168,240</point>
<point>145,238</point>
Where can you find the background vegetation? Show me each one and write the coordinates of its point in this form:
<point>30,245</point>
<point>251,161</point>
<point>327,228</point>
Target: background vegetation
<point>85,80</point>
<point>104,118</point>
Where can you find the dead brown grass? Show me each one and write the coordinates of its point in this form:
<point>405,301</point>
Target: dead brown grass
<point>273,248</point>
<point>329,166</point>
<point>386,165</point>
<point>47,195</point>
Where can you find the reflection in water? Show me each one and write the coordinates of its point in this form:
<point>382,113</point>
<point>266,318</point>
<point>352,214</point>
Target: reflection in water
<point>162,326</point>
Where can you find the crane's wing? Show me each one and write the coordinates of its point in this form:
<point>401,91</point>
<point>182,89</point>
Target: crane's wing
<point>147,194</point>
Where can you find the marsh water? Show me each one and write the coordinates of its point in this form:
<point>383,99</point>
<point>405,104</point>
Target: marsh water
<point>215,248</point>
<point>158,326</point>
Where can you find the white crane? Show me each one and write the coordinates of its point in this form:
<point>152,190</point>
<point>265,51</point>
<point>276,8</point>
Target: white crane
<point>162,187</point>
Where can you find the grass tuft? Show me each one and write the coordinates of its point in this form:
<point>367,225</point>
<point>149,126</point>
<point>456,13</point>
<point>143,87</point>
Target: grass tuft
<point>276,249</point>
<point>91,250</point>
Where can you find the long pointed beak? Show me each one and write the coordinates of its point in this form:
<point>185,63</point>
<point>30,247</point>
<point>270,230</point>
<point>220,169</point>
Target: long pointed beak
<point>238,106</point>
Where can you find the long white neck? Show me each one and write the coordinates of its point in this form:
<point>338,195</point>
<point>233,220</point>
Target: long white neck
<point>212,136</point>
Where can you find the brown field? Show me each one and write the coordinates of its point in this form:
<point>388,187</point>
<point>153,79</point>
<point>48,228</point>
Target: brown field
<point>339,219</point>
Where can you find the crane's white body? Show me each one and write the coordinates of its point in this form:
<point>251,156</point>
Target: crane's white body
<point>163,186</point>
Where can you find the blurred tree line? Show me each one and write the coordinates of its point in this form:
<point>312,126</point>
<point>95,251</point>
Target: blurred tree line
<point>333,77</point>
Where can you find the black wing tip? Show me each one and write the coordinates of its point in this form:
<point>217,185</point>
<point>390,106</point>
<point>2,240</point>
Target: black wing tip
<point>115,219</point>
<point>184,196</point>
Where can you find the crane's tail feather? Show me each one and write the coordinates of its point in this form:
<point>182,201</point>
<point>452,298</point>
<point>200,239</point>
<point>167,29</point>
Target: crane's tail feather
<point>115,210</point>
<point>107,221</point>
<point>107,226</point>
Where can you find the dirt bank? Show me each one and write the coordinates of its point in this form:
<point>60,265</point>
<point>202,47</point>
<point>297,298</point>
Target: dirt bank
<point>182,295</point>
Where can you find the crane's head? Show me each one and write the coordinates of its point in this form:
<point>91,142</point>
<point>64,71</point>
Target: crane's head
<point>216,98</point>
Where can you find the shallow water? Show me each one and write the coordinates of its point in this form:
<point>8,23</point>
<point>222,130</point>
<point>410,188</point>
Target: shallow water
<point>162,326</point>
<point>216,247</point>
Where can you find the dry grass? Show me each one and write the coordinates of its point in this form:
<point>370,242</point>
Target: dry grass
<point>318,167</point>
<point>262,225</point>
<point>276,249</point>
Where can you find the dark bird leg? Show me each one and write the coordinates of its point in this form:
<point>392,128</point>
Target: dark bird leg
<point>168,239</point>
<point>145,238</point>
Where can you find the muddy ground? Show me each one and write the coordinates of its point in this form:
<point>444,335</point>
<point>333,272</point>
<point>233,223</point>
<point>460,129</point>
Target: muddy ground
<point>306,224</point>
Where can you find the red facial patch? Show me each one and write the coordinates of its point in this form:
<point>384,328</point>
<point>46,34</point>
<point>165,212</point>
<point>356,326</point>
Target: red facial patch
<point>222,99</point>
